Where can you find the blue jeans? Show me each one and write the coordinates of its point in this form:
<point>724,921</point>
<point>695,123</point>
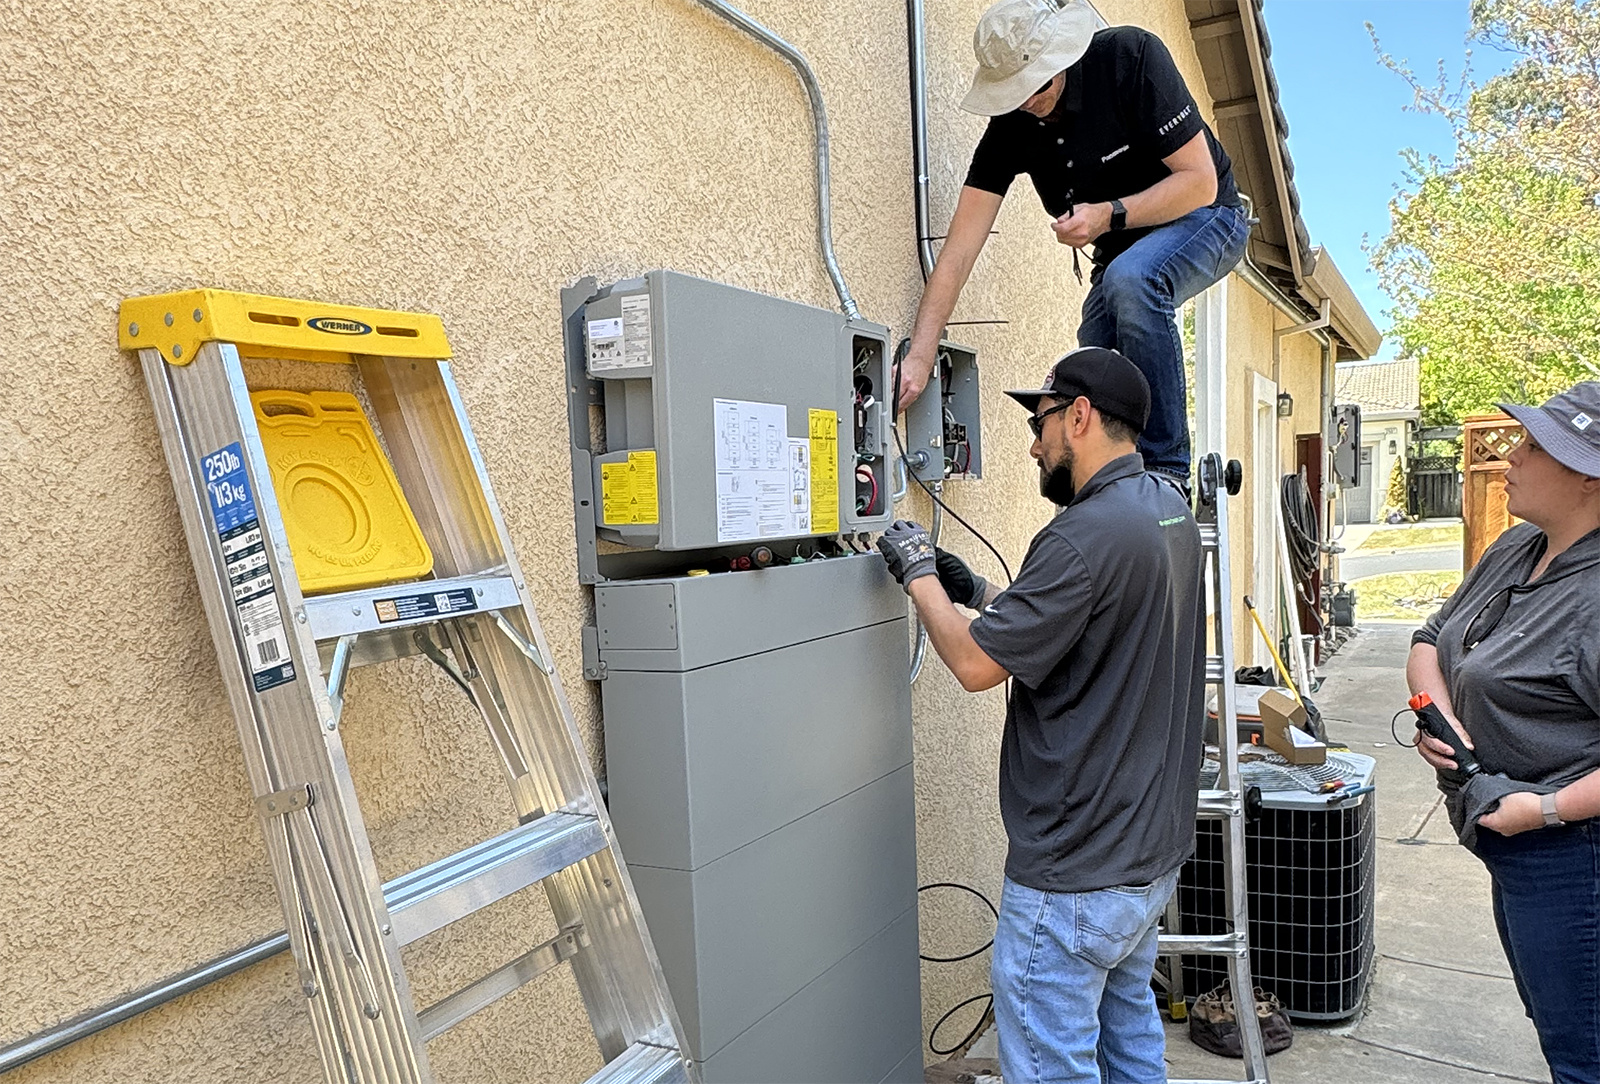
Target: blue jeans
<point>1130,308</point>
<point>1071,980</point>
<point>1546,891</point>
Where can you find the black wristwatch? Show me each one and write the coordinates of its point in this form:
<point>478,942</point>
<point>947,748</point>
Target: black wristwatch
<point>1119,215</point>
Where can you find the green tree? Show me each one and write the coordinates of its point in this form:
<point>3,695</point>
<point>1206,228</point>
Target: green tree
<point>1493,258</point>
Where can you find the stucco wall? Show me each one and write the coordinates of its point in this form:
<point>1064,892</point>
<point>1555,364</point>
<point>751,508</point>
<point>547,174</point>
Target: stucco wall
<point>1251,322</point>
<point>469,160</point>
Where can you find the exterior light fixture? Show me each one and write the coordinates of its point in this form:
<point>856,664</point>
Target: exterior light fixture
<point>1285,404</point>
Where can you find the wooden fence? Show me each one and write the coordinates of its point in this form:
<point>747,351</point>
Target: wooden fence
<point>1488,441</point>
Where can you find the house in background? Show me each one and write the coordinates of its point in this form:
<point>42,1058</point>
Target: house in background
<point>1390,397</point>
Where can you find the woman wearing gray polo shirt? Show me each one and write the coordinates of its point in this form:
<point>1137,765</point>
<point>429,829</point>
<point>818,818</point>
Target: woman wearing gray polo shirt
<point>1513,661</point>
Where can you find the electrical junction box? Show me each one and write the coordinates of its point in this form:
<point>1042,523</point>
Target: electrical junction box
<point>944,431</point>
<point>726,417</point>
<point>1347,445</point>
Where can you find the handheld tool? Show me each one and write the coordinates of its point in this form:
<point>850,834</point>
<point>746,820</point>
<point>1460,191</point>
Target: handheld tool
<point>1431,721</point>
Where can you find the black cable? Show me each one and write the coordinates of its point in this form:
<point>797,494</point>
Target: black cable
<point>977,1029</point>
<point>981,948</point>
<point>1300,526</point>
<point>899,355</point>
<point>1396,737</point>
<point>1300,530</point>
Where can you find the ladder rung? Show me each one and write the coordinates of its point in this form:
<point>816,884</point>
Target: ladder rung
<point>349,612</point>
<point>1185,944</point>
<point>1219,804</point>
<point>1208,535</point>
<point>1214,670</point>
<point>451,888</point>
<point>437,1019</point>
<point>643,1064</point>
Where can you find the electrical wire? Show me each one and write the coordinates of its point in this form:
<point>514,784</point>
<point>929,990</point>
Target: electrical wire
<point>981,948</point>
<point>865,474</point>
<point>977,1029</point>
<point>988,1010</point>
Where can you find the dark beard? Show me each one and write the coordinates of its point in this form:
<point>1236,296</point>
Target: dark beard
<point>1056,485</point>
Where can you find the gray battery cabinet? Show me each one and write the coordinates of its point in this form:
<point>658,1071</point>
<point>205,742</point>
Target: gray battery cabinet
<point>757,723</point>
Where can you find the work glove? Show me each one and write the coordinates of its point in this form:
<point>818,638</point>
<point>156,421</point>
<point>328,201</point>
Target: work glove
<point>964,586</point>
<point>908,551</point>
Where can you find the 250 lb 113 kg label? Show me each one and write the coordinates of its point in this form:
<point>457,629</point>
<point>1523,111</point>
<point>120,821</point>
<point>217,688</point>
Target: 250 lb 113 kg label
<point>244,557</point>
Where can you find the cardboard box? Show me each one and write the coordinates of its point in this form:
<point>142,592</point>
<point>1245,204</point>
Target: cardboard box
<point>1282,729</point>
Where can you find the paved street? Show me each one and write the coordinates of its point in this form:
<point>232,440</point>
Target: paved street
<point>1355,566</point>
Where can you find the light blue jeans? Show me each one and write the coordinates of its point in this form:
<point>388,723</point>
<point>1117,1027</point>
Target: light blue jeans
<point>1071,979</point>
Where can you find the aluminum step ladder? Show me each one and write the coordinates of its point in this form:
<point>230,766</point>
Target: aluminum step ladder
<point>1226,801</point>
<point>285,655</point>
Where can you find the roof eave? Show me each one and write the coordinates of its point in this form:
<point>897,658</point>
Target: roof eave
<point>1358,334</point>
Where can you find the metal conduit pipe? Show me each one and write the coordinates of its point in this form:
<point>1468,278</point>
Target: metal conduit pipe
<point>98,1019</point>
<point>819,116</point>
<point>917,53</point>
<point>920,654</point>
<point>917,49</point>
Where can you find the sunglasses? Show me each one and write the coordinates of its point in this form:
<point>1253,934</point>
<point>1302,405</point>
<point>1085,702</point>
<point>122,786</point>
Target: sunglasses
<point>1036,421</point>
<point>1487,619</point>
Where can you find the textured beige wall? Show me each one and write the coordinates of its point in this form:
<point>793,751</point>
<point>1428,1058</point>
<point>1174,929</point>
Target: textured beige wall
<point>1251,322</point>
<point>466,159</point>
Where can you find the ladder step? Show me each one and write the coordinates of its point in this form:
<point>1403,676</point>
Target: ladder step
<point>437,1019</point>
<point>1208,536</point>
<point>1214,670</point>
<point>1184,944</point>
<point>397,605</point>
<point>453,887</point>
<point>642,1063</point>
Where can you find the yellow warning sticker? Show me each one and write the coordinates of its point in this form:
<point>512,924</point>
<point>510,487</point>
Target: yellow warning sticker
<point>628,490</point>
<point>824,431</point>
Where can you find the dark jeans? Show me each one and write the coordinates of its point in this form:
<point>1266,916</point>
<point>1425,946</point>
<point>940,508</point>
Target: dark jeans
<point>1546,887</point>
<point>1130,309</point>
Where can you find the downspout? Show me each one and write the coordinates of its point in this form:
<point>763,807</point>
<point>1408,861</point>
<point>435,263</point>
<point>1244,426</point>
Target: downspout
<point>819,117</point>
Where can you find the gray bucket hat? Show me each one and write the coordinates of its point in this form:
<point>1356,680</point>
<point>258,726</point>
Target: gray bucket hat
<point>1567,426</point>
<point>1022,44</point>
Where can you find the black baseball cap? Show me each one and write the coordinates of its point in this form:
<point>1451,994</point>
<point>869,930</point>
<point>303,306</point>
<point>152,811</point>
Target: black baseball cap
<point>1567,426</point>
<point>1112,384</point>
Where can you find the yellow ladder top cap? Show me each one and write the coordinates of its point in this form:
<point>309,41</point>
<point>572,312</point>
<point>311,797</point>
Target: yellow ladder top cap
<point>176,324</point>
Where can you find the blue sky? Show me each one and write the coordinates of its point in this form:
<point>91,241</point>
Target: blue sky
<point>1347,116</point>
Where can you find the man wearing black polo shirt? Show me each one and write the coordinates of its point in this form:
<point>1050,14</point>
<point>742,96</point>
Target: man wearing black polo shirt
<point>1114,143</point>
<point>1102,633</point>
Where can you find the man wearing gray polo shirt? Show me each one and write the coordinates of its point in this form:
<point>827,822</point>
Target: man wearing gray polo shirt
<point>1102,633</point>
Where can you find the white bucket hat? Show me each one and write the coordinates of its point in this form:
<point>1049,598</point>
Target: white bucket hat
<point>1020,45</point>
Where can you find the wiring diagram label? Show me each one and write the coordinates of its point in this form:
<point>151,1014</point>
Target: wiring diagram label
<point>754,499</point>
<point>636,347</point>
<point>628,493</point>
<point>800,484</point>
<point>244,558</point>
<point>824,438</point>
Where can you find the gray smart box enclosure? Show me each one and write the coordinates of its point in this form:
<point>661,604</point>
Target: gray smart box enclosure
<point>663,355</point>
